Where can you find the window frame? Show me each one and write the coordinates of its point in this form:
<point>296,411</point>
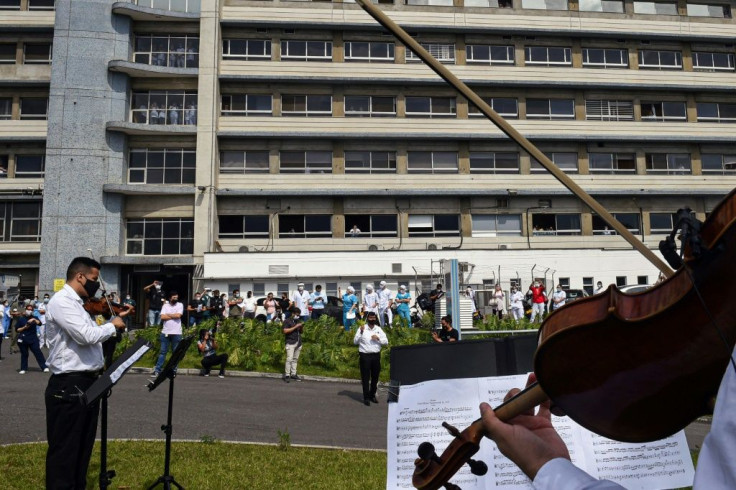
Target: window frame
<point>257,168</point>
<point>609,110</point>
<point>390,157</point>
<point>245,233</point>
<point>607,52</point>
<point>39,61</point>
<point>389,58</point>
<point>433,232</point>
<point>726,161</point>
<point>495,232</point>
<point>671,160</point>
<point>164,167</point>
<point>171,58</point>
<point>442,52</point>
<point>305,233</point>
<point>550,116</point>
<point>247,56</point>
<point>659,108</point>
<point>246,99</point>
<point>642,54</point>
<point>371,102</point>
<point>307,112</point>
<point>598,224</point>
<point>494,169</point>
<point>720,107</point>
<point>306,168</point>
<point>493,102</point>
<point>370,232</point>
<point>187,118</point>
<point>30,174</point>
<point>434,167</point>
<point>12,221</point>
<point>614,163</point>
<point>291,44</point>
<point>536,168</point>
<point>432,101</point>
<point>185,244</point>
<point>697,55</point>
<point>470,52</point>
<point>529,51</point>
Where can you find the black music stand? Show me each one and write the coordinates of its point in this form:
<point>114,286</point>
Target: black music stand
<point>169,372</point>
<point>102,387</point>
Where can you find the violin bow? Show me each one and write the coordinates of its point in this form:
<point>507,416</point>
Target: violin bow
<point>511,132</point>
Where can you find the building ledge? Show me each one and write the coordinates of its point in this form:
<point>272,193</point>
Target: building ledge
<point>27,20</point>
<point>149,189</point>
<point>136,129</point>
<point>147,260</point>
<point>136,12</point>
<point>150,71</point>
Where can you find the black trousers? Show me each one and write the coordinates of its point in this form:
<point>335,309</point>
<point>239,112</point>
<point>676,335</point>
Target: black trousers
<point>210,361</point>
<point>370,368</point>
<point>70,430</point>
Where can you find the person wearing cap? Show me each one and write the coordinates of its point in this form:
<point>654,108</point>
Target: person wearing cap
<point>370,338</point>
<point>385,300</point>
<point>300,299</point>
<point>370,300</point>
<point>317,300</point>
<point>349,306</point>
<point>403,298</point>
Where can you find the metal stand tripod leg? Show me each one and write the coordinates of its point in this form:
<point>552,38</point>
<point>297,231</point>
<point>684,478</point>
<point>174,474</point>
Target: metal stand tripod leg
<point>166,479</point>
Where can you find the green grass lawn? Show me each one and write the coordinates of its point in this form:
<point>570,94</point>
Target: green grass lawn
<point>209,465</point>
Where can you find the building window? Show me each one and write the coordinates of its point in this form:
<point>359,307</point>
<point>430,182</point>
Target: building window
<point>243,226</point>
<point>489,3</point>
<point>556,224</point>
<point>172,51</point>
<point>605,58</point>
<point>493,225</point>
<point>713,61</point>
<point>547,56</point>
<point>431,107</point>
<point>489,55</point>
<point>7,54</point>
<point>305,226</point>
<point>370,162</point>
<point>174,107</point>
<point>661,223</point>
<point>162,236</point>
<point>369,106</point>
<point>550,109</point>
<point>9,4</point>
<point>37,54</point>
<point>442,52</point>
<point>432,162</point>
<point>244,162</point>
<point>305,162</point>
<point>507,107</point>
<point>612,163</point>
<point>4,160</point>
<point>34,108</point>
<point>704,10</point>
<point>373,225</point>
<point>716,112</point>
<point>601,6</point>
<point>165,166</point>
<point>620,281</point>
<point>609,110</point>
<point>41,5</point>
<point>663,111</point>
<point>632,222</point>
<point>565,161</point>
<point>371,52</point>
<point>491,162</point>
<point>306,105</point>
<point>246,49</point>
<point>719,164</point>
<point>544,4</point>
<point>191,6</point>
<point>660,60</point>
<point>247,105</point>
<point>30,166</point>
<point>6,108</point>
<point>306,50</point>
<point>668,163</point>
<point>588,285</point>
<point>434,225</point>
<point>655,8</point>
<point>20,221</point>
<point>436,3</point>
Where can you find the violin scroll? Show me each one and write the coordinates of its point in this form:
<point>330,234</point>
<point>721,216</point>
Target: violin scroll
<point>106,308</point>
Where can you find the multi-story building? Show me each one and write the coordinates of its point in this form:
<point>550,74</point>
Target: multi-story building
<point>240,142</point>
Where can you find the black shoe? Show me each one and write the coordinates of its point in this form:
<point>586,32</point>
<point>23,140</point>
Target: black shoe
<point>296,378</point>
<point>374,399</point>
<point>367,402</point>
<point>285,378</point>
<point>221,375</point>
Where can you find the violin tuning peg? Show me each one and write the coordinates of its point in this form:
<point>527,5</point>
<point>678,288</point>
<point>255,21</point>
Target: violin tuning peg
<point>426,451</point>
<point>451,486</point>
<point>478,468</point>
<point>451,429</point>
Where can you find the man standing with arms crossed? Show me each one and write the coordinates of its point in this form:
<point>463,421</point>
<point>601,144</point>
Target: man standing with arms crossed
<point>75,360</point>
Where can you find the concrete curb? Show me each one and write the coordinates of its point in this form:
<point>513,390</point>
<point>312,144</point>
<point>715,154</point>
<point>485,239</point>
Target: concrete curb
<point>254,374</point>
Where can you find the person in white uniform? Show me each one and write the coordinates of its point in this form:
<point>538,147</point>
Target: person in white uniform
<point>370,300</point>
<point>385,300</point>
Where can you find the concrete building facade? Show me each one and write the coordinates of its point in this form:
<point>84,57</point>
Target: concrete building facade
<point>195,141</point>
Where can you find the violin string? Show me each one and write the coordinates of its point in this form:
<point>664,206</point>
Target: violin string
<point>712,318</point>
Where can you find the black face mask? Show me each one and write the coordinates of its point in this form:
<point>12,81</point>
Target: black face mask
<point>172,301</point>
<point>91,287</point>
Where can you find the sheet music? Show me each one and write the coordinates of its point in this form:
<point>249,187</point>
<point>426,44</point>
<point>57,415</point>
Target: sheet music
<point>115,375</point>
<point>418,415</point>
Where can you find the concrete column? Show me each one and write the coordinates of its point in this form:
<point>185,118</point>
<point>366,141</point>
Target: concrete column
<point>205,205</point>
<point>338,217</point>
<point>81,155</point>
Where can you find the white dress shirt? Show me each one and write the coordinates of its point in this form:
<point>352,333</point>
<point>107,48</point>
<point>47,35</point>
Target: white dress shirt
<point>301,301</point>
<point>366,344</point>
<point>384,297</point>
<point>75,339</point>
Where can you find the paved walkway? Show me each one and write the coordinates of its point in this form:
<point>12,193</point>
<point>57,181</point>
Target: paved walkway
<point>241,407</point>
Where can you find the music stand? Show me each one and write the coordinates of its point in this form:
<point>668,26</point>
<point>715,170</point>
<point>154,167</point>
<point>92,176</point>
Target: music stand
<point>102,387</point>
<point>169,371</point>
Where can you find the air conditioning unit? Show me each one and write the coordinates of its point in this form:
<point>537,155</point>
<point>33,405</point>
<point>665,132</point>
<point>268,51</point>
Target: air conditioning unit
<point>243,249</point>
<point>372,248</point>
<point>432,246</point>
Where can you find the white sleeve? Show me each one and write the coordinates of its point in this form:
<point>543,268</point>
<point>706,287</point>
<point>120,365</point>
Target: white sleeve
<point>356,339</point>
<point>561,474</point>
<point>382,339</point>
<point>82,330</point>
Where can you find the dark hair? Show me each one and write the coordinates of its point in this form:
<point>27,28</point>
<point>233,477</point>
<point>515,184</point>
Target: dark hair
<point>81,264</point>
<point>202,331</point>
<point>296,310</point>
<point>173,293</point>
<point>448,319</point>
<point>439,286</point>
<point>371,313</point>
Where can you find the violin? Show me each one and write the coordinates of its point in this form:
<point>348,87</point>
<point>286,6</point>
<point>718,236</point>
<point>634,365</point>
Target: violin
<point>105,307</point>
<point>615,363</point>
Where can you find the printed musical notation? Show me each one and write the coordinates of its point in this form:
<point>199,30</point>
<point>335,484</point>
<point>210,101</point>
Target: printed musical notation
<point>418,415</point>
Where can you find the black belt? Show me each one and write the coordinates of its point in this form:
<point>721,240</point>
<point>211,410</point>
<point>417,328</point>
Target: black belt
<point>79,374</point>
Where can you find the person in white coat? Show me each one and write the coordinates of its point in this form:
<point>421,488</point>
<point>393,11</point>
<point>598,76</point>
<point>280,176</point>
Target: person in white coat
<point>385,300</point>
